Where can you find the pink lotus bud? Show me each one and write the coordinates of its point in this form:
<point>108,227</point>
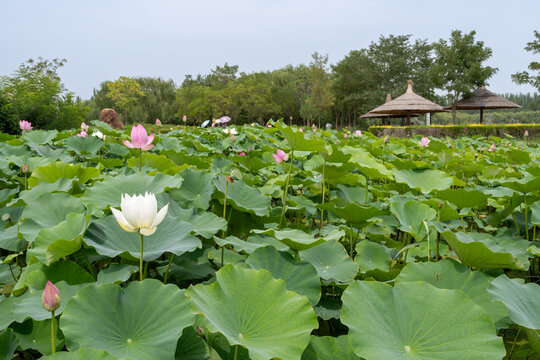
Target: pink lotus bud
<point>24,168</point>
<point>250,149</point>
<point>526,133</point>
<point>280,156</point>
<point>83,134</point>
<point>301,130</point>
<point>25,125</point>
<point>84,127</point>
<point>140,139</point>
<point>268,125</point>
<point>345,135</point>
<point>51,297</point>
<point>184,118</point>
<point>158,122</point>
<point>358,133</point>
<point>492,148</point>
<point>242,154</point>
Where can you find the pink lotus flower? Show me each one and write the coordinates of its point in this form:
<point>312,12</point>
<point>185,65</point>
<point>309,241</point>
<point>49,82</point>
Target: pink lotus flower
<point>51,297</point>
<point>358,133</point>
<point>424,142</point>
<point>83,134</point>
<point>301,130</point>
<point>280,156</point>
<point>492,148</point>
<point>25,125</point>
<point>345,135</point>
<point>242,154</point>
<point>158,122</point>
<point>84,127</point>
<point>184,118</point>
<point>140,139</point>
<point>269,125</point>
<point>526,133</point>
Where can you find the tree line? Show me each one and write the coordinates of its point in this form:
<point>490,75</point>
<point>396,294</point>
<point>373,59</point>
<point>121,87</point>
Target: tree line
<point>317,92</point>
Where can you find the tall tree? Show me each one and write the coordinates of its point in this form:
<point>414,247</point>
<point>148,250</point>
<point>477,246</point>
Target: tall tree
<point>458,67</point>
<point>321,98</point>
<point>124,92</point>
<point>525,77</point>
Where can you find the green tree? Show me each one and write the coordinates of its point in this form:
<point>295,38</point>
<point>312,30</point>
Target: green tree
<point>34,92</point>
<point>320,98</point>
<point>458,66</point>
<point>525,77</point>
<point>124,92</point>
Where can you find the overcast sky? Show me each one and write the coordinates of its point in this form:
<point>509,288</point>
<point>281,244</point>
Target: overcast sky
<point>105,39</point>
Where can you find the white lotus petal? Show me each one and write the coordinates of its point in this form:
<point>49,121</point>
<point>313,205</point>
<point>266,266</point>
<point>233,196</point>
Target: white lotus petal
<point>148,231</point>
<point>160,215</point>
<point>121,220</point>
<point>131,210</point>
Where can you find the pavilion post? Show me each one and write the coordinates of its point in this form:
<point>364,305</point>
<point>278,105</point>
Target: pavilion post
<point>481,116</point>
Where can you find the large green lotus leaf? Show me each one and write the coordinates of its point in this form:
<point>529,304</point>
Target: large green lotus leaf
<point>190,266</point>
<point>196,190</point>
<point>191,347</point>
<point>220,349</point>
<point>354,193</point>
<point>238,245</point>
<point>64,239</point>
<point>153,161</point>
<point>485,251</point>
<point>8,344</point>
<point>293,238</point>
<point>116,273</point>
<point>353,213</point>
<point>298,141</point>
<point>522,300</point>
<point>372,256</point>
<point>329,348</point>
<point>68,271</point>
<point>462,198</point>
<point>81,145</point>
<point>425,180</point>
<point>524,185</point>
<point>39,137</point>
<point>57,170</point>
<point>82,354</point>
<point>417,321</point>
<point>172,235</point>
<point>243,197</point>
<point>61,185</point>
<point>535,213</point>
<point>37,335</point>
<point>141,321</point>
<point>448,274</point>
<point>367,164</point>
<point>300,277</point>
<point>46,212</point>
<point>332,262</point>
<point>110,190</point>
<point>251,308</point>
<point>411,216</point>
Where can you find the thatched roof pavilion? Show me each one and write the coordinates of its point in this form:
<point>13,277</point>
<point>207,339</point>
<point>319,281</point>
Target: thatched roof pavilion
<point>408,104</point>
<point>371,115</point>
<point>483,99</point>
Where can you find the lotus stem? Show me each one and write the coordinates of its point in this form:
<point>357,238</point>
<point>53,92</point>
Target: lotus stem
<point>437,255</point>
<point>515,222</point>
<point>224,218</point>
<point>428,248</point>
<point>514,344</point>
<point>141,272</point>
<point>526,217</point>
<point>140,160</point>
<point>284,199</point>
<point>323,190</point>
<point>236,352</point>
<point>53,346</point>
<point>168,267</point>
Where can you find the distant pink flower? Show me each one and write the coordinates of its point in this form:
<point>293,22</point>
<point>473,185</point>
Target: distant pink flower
<point>51,297</point>
<point>25,125</point>
<point>158,122</point>
<point>184,118</point>
<point>84,127</point>
<point>140,139</point>
<point>345,135</point>
<point>301,130</point>
<point>358,133</point>
<point>280,156</point>
<point>82,134</point>
<point>268,125</point>
<point>492,148</point>
<point>250,149</point>
<point>424,142</point>
<point>242,154</point>
<point>526,133</point>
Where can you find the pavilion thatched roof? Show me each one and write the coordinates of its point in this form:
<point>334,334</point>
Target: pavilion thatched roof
<point>484,99</point>
<point>408,103</point>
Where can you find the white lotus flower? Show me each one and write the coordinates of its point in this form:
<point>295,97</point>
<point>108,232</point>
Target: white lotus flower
<point>99,134</point>
<point>139,213</point>
<point>230,131</point>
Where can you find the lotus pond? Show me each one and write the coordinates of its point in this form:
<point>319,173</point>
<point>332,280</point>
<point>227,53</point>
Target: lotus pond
<point>338,246</point>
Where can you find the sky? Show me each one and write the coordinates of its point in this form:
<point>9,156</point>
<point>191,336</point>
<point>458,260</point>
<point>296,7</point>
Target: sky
<point>105,39</point>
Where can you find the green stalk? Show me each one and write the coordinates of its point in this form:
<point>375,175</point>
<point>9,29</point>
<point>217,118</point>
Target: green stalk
<point>367,190</point>
<point>437,255</point>
<point>284,199</point>
<point>141,260</point>
<point>224,213</point>
<point>514,344</point>
<point>140,159</point>
<point>350,239</point>
<point>515,222</point>
<point>526,217</point>
<point>323,190</point>
<point>53,347</point>
<point>236,352</point>
<point>428,248</point>
<point>168,267</point>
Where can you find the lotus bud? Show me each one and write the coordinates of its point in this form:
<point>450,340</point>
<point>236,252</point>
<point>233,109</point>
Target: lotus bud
<point>386,138</point>
<point>526,133</point>
<point>440,205</point>
<point>51,297</point>
<point>184,118</point>
<point>158,122</point>
<point>24,168</point>
<point>200,332</point>
<point>250,149</point>
<point>301,130</point>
